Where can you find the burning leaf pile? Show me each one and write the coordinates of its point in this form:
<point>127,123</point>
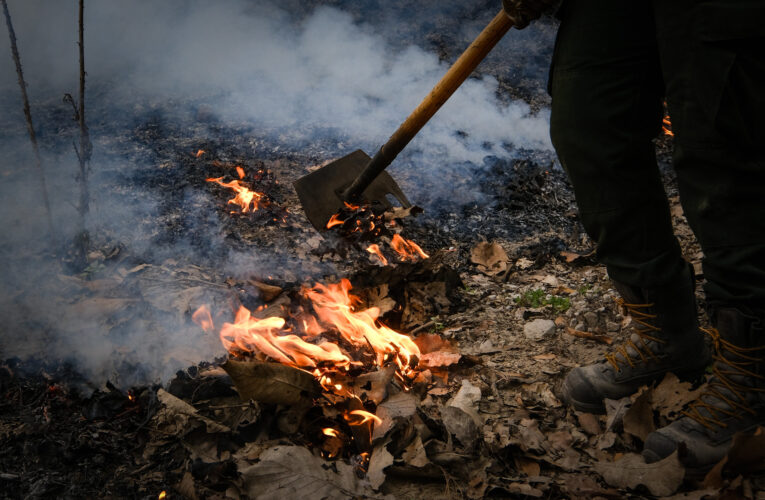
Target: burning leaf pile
<point>324,350</point>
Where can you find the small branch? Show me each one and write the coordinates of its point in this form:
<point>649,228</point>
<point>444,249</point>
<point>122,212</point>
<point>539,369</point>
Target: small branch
<point>28,115</point>
<point>603,339</point>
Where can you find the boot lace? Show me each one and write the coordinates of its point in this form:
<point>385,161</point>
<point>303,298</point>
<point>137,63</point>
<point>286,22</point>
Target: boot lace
<point>722,387</point>
<point>641,350</point>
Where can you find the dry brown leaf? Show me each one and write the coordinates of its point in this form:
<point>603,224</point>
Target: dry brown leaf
<point>177,417</point>
<point>271,382</point>
<point>431,342</point>
<point>401,406</point>
<point>415,454</point>
<point>747,453</point>
<point>292,472</point>
<point>490,258</point>
<point>638,420</point>
<point>662,478</point>
<point>439,359</point>
<point>460,425</point>
<point>671,395</point>
<point>186,487</point>
<point>378,297</point>
<point>267,292</point>
<point>528,466</point>
<point>589,423</point>
<point>380,459</point>
<point>570,256</point>
<point>373,386</point>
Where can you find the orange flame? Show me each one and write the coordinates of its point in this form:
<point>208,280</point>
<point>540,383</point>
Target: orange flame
<point>330,432</point>
<point>240,172</point>
<point>334,306</point>
<point>667,126</point>
<point>375,250</point>
<point>408,250</point>
<point>262,335</point>
<point>199,153</point>
<point>203,318</point>
<point>365,417</point>
<point>334,314</point>
<point>162,495</point>
<point>335,221</point>
<point>244,196</point>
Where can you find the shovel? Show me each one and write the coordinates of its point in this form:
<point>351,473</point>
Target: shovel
<point>357,177</point>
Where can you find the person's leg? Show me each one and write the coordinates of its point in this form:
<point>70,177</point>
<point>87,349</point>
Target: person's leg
<point>607,92</point>
<point>713,63</point>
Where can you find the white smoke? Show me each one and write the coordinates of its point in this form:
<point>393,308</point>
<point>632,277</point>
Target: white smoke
<point>315,77</point>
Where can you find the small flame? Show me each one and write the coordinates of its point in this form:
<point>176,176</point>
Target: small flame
<point>364,417</point>
<point>408,250</point>
<point>375,250</point>
<point>351,206</point>
<point>240,172</point>
<point>335,221</point>
<point>330,432</point>
<point>162,495</point>
<point>203,318</point>
<point>197,155</point>
<point>667,126</point>
<point>244,196</point>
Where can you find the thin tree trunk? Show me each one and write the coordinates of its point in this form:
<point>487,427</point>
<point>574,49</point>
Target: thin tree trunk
<point>28,115</point>
<point>86,147</point>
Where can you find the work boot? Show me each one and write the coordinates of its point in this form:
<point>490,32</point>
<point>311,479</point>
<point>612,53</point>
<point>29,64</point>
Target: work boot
<point>666,338</point>
<point>734,401</point>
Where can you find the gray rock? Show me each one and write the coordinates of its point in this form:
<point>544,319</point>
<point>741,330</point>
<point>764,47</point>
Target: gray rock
<point>538,329</point>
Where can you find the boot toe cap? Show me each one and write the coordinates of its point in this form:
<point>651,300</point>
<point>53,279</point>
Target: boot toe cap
<point>579,391</point>
<point>658,446</point>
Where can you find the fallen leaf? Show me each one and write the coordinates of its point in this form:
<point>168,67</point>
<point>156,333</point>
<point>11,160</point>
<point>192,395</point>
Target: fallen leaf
<point>292,472</point>
<point>271,382</point>
<point>570,256</point>
<point>380,459</point>
<point>439,359</point>
<point>467,399</point>
<point>460,425</point>
<point>490,258</point>
<point>267,292</point>
<point>747,453</point>
<point>378,297</point>
<point>589,423</point>
<point>414,454</point>
<point>401,406</point>
<point>671,395</point>
<point>638,420</point>
<point>177,417</point>
<point>527,466</point>
<point>431,342</point>
<point>373,386</point>
<point>662,478</point>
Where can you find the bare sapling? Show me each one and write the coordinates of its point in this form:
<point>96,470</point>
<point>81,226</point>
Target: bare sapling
<point>28,116</point>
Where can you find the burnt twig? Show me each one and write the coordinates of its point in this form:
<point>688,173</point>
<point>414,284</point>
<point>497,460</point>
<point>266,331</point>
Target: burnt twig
<point>28,115</point>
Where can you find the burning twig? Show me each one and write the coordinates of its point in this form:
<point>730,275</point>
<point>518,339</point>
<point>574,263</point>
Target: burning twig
<point>28,115</point>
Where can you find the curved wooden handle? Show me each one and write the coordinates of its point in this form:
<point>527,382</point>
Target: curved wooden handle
<point>441,93</point>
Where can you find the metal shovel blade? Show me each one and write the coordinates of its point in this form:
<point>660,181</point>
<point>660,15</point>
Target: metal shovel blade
<point>319,191</point>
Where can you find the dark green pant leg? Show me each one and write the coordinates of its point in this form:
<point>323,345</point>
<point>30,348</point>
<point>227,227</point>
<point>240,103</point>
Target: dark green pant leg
<point>606,109</point>
<point>713,60</point>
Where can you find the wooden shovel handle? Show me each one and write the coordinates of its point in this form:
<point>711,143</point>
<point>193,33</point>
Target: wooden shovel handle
<point>443,90</point>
